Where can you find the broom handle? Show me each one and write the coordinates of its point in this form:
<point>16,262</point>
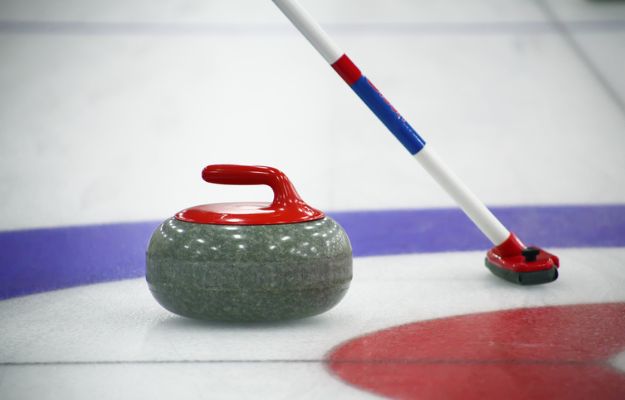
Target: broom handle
<point>490,226</point>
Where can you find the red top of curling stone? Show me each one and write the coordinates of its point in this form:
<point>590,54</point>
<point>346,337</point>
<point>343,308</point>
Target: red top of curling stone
<point>287,207</point>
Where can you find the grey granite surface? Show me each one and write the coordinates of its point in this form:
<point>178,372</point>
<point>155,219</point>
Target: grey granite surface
<point>249,273</point>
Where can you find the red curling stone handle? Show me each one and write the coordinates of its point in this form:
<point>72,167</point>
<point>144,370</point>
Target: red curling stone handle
<point>284,194</point>
<point>287,207</point>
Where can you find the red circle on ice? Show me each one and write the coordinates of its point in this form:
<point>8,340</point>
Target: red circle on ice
<point>539,353</point>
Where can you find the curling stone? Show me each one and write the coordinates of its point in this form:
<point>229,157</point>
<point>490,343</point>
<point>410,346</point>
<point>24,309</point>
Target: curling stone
<point>249,261</point>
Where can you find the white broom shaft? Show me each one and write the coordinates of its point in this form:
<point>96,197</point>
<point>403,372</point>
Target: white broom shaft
<point>481,216</point>
<point>492,228</point>
<point>306,24</point>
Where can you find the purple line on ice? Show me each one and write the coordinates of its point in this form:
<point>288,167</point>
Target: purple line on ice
<point>40,260</point>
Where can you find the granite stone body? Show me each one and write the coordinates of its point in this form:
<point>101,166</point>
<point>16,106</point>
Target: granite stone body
<point>249,272</point>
